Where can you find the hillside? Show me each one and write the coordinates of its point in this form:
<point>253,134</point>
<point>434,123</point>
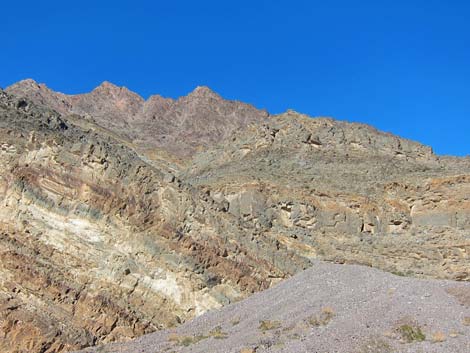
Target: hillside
<point>122,216</point>
<point>328,309</point>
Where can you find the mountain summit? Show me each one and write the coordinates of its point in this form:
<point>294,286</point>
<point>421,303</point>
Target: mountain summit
<point>180,126</point>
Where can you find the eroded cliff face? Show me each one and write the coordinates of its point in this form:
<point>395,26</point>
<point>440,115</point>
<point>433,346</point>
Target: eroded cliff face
<point>103,239</point>
<point>345,193</point>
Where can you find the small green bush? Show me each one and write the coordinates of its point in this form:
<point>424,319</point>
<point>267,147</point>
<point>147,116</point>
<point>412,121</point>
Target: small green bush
<point>410,333</point>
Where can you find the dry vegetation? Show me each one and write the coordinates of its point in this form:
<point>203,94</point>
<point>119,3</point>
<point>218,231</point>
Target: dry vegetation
<point>438,337</point>
<point>323,318</point>
<point>186,340</point>
<point>218,333</point>
<point>411,333</point>
<point>235,321</point>
<point>268,325</point>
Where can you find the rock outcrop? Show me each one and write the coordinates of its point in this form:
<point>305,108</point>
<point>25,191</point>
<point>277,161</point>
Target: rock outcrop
<point>113,224</point>
<point>345,193</point>
<point>180,126</point>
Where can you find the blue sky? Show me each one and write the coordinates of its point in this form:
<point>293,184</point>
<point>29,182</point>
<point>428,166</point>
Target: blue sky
<point>401,66</point>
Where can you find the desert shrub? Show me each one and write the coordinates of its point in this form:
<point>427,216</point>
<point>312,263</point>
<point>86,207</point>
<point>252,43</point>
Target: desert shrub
<point>218,333</point>
<point>322,319</point>
<point>235,322</point>
<point>267,325</point>
<point>186,340</point>
<point>411,333</point>
<point>438,337</point>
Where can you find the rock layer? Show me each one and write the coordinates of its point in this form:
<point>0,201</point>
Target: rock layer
<point>346,193</point>
<point>113,225</point>
<point>97,244</point>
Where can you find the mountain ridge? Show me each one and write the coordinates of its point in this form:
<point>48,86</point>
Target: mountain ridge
<point>180,126</point>
<point>96,231</point>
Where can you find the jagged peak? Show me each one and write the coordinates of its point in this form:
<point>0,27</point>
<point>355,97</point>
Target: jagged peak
<point>115,90</point>
<point>29,87</point>
<point>204,92</point>
<point>28,82</point>
<point>106,85</point>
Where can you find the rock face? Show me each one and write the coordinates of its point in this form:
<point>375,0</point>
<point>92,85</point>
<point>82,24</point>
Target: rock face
<point>180,126</point>
<point>95,243</point>
<point>113,222</point>
<point>346,193</point>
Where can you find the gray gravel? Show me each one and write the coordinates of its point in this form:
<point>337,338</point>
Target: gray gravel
<point>326,309</point>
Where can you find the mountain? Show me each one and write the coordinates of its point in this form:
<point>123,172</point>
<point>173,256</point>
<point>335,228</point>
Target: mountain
<point>122,216</point>
<point>180,126</point>
<point>324,309</point>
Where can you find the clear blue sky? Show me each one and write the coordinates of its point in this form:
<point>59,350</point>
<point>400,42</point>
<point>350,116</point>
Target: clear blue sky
<point>402,66</point>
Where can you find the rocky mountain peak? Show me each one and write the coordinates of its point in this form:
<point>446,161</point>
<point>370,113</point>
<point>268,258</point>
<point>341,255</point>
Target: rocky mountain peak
<point>109,91</point>
<point>28,85</point>
<point>41,94</point>
<point>203,92</point>
<point>180,126</point>
<point>107,85</point>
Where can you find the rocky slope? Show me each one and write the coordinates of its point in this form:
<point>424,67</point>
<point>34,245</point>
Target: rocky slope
<point>94,241</point>
<point>180,126</point>
<point>327,309</point>
<point>112,225</point>
<point>346,193</point>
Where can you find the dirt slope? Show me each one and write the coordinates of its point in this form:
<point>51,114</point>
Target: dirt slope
<point>328,309</point>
